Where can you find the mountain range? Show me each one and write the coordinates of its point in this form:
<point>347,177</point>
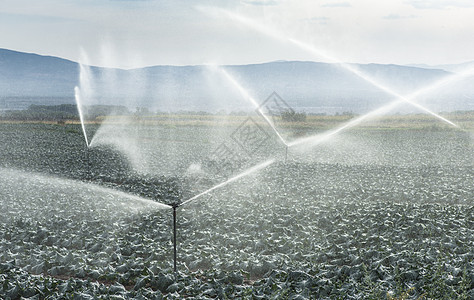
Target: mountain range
<point>313,87</point>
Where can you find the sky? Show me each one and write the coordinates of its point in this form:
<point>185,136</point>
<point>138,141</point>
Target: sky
<point>137,33</point>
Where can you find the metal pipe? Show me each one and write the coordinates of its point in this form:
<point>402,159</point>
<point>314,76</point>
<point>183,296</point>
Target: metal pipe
<point>174,236</point>
<point>88,164</point>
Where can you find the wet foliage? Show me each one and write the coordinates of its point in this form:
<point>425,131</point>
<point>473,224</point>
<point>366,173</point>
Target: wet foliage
<point>396,222</point>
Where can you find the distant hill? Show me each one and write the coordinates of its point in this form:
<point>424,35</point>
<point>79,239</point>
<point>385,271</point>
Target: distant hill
<point>454,68</point>
<point>25,74</point>
<point>310,86</point>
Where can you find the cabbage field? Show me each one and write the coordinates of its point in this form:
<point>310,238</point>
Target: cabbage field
<point>370,214</point>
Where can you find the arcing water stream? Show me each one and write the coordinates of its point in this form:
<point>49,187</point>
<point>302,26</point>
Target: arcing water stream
<point>254,102</point>
<point>79,105</point>
<point>55,192</point>
<point>218,12</point>
<point>247,172</point>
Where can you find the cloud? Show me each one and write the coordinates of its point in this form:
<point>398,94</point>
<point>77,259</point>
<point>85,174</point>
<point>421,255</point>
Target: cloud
<point>337,4</point>
<point>260,2</point>
<point>31,18</point>
<point>320,20</point>
<point>317,19</point>
<point>440,4</point>
<point>398,17</point>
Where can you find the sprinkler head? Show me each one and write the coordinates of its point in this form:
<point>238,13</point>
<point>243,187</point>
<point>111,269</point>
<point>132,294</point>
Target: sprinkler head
<point>173,201</point>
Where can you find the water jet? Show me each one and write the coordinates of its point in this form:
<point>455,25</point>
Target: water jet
<point>219,12</point>
<point>254,102</point>
<point>77,96</point>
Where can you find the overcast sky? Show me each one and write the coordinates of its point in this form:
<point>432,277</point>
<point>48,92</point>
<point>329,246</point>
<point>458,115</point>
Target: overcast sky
<point>134,33</point>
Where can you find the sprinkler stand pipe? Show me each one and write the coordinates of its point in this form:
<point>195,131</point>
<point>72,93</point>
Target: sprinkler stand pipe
<point>174,236</point>
<point>88,164</point>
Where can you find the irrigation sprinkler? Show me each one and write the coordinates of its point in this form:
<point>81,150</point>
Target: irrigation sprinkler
<point>174,204</point>
<point>177,204</point>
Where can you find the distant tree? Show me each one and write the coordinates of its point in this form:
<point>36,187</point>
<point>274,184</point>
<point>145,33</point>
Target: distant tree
<point>142,111</point>
<point>96,111</point>
<point>43,113</point>
<point>293,116</point>
<point>347,113</point>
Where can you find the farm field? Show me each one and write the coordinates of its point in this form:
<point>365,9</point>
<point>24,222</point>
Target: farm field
<point>375,212</point>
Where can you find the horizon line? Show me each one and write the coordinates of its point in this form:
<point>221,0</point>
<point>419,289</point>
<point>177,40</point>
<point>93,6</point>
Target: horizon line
<point>409,65</point>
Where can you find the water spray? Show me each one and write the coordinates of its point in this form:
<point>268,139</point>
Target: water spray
<point>254,102</point>
<point>218,12</point>
<point>312,50</point>
<point>247,96</point>
<point>318,138</point>
<point>77,96</point>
